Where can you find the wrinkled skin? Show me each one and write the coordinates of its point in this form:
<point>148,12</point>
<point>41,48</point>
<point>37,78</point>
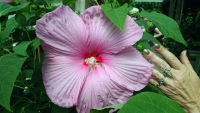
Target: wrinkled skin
<point>184,84</point>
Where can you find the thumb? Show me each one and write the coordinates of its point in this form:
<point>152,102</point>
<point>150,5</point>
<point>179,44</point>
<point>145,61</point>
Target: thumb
<point>185,61</point>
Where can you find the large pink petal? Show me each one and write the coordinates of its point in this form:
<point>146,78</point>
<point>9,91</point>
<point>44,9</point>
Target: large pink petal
<point>63,31</point>
<point>63,78</point>
<point>100,91</point>
<point>104,36</point>
<point>128,68</point>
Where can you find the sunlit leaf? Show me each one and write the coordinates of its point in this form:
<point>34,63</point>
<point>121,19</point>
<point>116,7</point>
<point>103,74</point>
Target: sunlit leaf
<point>21,48</point>
<point>6,8</point>
<point>10,66</point>
<point>117,16</point>
<point>148,102</point>
<point>166,25</point>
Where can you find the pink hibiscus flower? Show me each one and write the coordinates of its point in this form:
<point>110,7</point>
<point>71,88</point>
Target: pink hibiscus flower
<point>89,62</point>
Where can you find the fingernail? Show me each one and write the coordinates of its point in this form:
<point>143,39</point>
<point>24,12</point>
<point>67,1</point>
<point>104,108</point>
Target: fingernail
<point>146,52</point>
<point>186,53</point>
<point>157,46</point>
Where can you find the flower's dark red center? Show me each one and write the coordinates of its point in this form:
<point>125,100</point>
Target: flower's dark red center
<point>92,58</point>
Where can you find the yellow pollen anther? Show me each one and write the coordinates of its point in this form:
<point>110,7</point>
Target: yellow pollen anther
<point>90,61</point>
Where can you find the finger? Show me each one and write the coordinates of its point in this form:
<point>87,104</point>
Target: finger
<point>154,82</point>
<point>185,61</point>
<point>170,58</point>
<point>160,63</point>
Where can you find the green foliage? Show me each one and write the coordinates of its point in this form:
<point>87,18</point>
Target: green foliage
<point>10,25</point>
<point>142,23</point>
<point>20,19</point>
<point>144,44</point>
<point>106,109</point>
<point>117,16</point>
<point>21,48</point>
<point>68,2</point>
<point>10,66</point>
<point>6,8</point>
<point>35,43</point>
<point>146,36</point>
<point>148,102</point>
<point>166,25</point>
<point>130,2</point>
<point>57,109</point>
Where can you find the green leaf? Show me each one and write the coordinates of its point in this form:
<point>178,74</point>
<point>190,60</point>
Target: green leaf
<point>148,102</point>
<point>144,44</point>
<point>122,2</point>
<point>10,25</point>
<point>37,78</point>
<point>106,109</point>
<point>57,109</point>
<point>28,73</point>
<point>10,66</point>
<point>53,1</point>
<point>100,111</point>
<point>117,16</point>
<point>142,23</point>
<point>36,43</point>
<point>20,19</point>
<point>21,48</point>
<point>68,2</point>
<point>150,88</point>
<point>6,8</point>
<point>146,36</point>
<point>166,25</point>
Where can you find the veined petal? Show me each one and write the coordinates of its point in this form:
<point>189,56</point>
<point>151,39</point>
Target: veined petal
<point>104,36</point>
<point>100,91</point>
<point>63,31</point>
<point>128,68</point>
<point>63,78</point>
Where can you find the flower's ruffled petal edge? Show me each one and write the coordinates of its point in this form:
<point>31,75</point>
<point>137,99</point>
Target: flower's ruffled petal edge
<point>128,68</point>
<point>100,91</point>
<point>63,31</point>
<point>105,36</point>
<point>63,78</point>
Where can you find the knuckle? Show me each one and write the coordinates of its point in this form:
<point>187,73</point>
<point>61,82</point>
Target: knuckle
<point>171,59</point>
<point>162,64</point>
<point>156,75</point>
<point>151,56</point>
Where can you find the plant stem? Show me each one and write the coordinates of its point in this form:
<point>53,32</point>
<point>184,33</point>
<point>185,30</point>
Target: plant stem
<point>16,102</point>
<point>39,57</point>
<point>19,87</point>
<point>27,33</point>
<point>96,2</point>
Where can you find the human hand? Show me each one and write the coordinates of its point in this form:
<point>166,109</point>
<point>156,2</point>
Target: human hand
<point>183,86</point>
